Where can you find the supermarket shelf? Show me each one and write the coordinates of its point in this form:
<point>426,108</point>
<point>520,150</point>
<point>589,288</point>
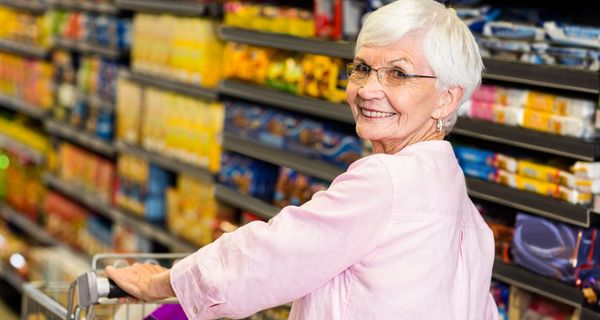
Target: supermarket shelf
<point>29,6</point>
<point>529,202</point>
<point>118,216</point>
<point>589,314</point>
<point>87,6</point>
<point>538,284</point>
<point>556,77</point>
<point>153,232</point>
<point>174,86</point>
<point>177,7</point>
<point>21,106</point>
<point>165,161</point>
<point>69,133</point>
<point>547,76</point>
<point>22,49</point>
<point>13,279</point>
<point>16,146</point>
<point>8,213</point>
<point>529,139</point>
<point>83,47</point>
<point>339,49</point>
<point>315,168</point>
<point>306,105</point>
<point>242,201</point>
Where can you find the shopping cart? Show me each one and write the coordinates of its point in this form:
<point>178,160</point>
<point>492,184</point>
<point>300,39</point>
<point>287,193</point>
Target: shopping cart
<point>91,296</point>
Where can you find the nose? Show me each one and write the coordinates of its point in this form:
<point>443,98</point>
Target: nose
<point>371,88</point>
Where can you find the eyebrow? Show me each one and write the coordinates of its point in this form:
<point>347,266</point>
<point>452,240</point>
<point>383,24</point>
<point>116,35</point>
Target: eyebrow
<point>406,60</point>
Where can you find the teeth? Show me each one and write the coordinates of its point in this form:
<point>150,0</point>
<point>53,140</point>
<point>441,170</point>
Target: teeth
<point>376,114</point>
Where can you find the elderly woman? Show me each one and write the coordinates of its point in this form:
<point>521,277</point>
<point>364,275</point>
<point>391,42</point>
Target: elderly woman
<point>395,236</point>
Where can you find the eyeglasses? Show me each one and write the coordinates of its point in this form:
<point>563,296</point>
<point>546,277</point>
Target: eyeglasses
<point>392,76</point>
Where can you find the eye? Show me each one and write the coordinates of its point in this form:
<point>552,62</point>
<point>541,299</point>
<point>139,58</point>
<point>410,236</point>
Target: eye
<point>396,73</point>
<point>362,68</point>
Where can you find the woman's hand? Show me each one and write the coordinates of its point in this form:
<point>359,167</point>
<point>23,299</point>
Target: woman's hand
<point>146,282</point>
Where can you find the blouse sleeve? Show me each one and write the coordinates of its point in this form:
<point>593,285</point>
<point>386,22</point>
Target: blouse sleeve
<point>263,265</point>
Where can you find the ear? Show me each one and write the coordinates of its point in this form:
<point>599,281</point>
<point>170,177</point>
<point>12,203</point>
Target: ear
<point>448,102</point>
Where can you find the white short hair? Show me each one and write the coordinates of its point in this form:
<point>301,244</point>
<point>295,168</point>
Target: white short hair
<point>448,45</point>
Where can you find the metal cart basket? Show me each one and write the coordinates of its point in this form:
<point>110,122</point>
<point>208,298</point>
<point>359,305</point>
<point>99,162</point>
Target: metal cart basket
<point>85,298</point>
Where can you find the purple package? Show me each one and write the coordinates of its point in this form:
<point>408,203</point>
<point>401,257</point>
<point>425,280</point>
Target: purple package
<point>167,312</point>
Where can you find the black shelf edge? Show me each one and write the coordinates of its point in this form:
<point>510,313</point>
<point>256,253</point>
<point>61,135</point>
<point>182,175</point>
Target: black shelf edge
<point>253,149</point>
<point>29,6</point>
<point>153,232</point>
<point>11,144</point>
<point>341,49</point>
<point>13,279</point>
<point>116,215</point>
<point>528,139</point>
<point>529,202</point>
<point>173,85</point>
<point>87,6</point>
<point>179,7</point>
<point>589,314</point>
<point>538,284</point>
<point>87,48</point>
<point>307,105</point>
<point>21,107</point>
<point>547,76</point>
<point>89,199</point>
<point>22,49</point>
<point>242,201</point>
<point>89,142</point>
<point>32,229</point>
<point>166,162</point>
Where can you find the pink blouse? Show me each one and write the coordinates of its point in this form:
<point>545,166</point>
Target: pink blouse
<point>394,237</point>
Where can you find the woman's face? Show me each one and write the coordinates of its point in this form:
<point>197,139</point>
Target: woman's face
<point>394,115</point>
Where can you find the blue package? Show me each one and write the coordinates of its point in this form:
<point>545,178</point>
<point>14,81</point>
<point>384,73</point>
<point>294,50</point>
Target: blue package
<point>250,176</point>
<point>553,248</point>
<point>479,171</point>
<point>340,149</point>
<point>105,125</point>
<point>473,155</point>
<point>304,137</point>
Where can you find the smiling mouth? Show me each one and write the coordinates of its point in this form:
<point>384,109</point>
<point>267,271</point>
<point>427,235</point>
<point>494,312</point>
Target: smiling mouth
<point>375,114</point>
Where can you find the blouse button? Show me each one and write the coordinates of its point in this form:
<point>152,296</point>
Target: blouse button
<point>195,309</point>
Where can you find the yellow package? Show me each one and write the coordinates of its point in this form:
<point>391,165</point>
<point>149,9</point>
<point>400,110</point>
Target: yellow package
<point>540,102</point>
<point>538,171</point>
<point>537,186</point>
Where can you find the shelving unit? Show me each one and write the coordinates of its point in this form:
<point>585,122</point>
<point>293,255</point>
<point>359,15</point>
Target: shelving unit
<point>87,6</point>
<point>29,6</point>
<point>529,202</point>
<point>74,135</point>
<point>340,49</point>
<point>11,144</point>
<point>176,7</point>
<point>574,148</point>
<point>538,284</point>
<point>82,47</point>
<point>311,106</point>
<point>11,215</point>
<point>166,162</point>
<point>253,149</point>
<point>21,107</point>
<point>13,279</point>
<point>23,49</point>
<point>245,202</point>
<point>118,216</point>
<point>496,69</point>
<point>172,85</point>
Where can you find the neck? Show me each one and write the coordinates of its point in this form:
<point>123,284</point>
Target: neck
<point>391,147</point>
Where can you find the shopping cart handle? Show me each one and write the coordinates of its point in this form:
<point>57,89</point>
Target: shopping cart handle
<point>90,289</point>
<point>114,291</point>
